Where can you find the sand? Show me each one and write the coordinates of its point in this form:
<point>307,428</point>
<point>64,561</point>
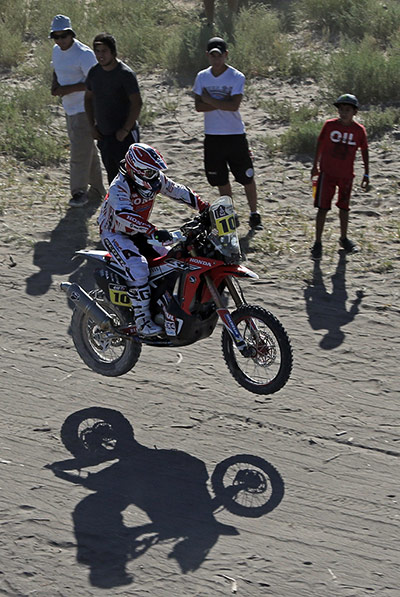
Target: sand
<point>146,524</point>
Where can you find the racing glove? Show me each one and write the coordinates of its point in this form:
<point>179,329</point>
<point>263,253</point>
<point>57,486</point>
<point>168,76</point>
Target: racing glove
<point>162,236</point>
<point>202,205</point>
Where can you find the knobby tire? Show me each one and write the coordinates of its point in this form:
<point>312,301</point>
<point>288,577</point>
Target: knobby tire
<point>91,345</point>
<point>270,368</point>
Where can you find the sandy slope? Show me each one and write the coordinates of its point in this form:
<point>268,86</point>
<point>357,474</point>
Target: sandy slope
<point>331,433</point>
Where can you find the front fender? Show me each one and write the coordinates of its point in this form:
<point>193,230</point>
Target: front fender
<point>236,271</point>
<point>220,273</point>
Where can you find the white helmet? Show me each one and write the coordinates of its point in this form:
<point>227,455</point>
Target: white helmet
<point>143,164</point>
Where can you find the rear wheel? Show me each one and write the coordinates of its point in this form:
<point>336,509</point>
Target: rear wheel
<point>270,360</point>
<point>96,432</point>
<point>104,351</point>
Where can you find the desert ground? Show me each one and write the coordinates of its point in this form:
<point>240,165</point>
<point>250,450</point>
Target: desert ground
<point>331,434</point>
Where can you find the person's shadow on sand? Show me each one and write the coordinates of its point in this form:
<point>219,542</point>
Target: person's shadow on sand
<point>170,486</point>
<point>328,310</point>
<point>245,243</point>
<point>55,256</point>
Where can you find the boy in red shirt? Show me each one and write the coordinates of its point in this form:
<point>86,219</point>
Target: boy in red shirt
<point>336,150</point>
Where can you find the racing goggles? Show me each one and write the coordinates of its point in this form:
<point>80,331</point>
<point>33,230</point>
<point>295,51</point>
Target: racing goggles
<point>147,174</point>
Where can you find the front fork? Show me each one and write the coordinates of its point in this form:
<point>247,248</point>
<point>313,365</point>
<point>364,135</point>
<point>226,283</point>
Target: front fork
<point>225,316</point>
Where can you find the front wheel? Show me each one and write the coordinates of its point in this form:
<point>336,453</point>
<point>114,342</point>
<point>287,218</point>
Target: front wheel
<point>247,485</point>
<point>104,351</point>
<point>270,360</point>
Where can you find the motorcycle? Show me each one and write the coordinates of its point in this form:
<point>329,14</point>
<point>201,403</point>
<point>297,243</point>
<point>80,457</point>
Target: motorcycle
<point>190,287</point>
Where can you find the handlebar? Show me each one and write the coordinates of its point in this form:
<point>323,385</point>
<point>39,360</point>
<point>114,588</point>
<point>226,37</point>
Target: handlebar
<point>186,231</point>
<point>177,236</point>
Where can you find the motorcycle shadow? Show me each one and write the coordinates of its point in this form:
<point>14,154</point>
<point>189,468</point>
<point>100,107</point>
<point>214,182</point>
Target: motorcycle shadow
<point>169,487</point>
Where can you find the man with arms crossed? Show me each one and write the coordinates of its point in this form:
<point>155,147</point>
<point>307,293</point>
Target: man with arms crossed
<point>218,92</point>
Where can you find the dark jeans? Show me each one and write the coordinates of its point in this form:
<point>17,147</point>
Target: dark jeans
<point>113,151</point>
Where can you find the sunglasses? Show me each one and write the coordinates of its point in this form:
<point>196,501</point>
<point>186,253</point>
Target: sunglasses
<point>61,35</point>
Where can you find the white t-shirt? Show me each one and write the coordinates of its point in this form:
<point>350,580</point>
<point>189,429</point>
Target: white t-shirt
<point>72,66</point>
<point>230,82</point>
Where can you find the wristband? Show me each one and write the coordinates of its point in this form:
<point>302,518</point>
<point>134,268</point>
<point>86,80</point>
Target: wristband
<point>366,175</point>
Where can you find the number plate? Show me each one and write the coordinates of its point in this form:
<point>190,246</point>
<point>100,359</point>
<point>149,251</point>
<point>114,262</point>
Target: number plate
<point>119,296</point>
<point>226,224</point>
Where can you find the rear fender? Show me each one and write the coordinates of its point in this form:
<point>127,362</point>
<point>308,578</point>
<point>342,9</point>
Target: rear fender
<point>105,258</point>
<point>102,256</point>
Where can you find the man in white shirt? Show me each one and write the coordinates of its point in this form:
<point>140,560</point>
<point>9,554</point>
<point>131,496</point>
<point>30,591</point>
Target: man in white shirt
<point>71,61</point>
<point>218,93</point>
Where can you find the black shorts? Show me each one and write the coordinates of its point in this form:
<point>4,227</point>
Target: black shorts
<point>223,151</point>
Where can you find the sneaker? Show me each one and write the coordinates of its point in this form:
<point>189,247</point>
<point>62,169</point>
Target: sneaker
<point>255,222</point>
<point>78,199</point>
<point>348,245</point>
<point>316,251</point>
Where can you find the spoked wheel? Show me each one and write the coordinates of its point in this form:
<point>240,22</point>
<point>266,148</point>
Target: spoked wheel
<point>103,350</point>
<point>101,433</point>
<point>247,485</point>
<point>268,365</point>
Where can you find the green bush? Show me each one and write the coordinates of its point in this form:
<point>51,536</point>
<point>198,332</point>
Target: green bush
<point>283,111</point>
<point>39,67</point>
<point>352,18</point>
<point>185,54</point>
<point>379,122</point>
<point>32,143</point>
<point>12,30</point>
<point>147,115</point>
<point>137,28</point>
<point>300,138</point>
<point>364,70</point>
<point>25,132</point>
<point>12,49</point>
<point>260,46</point>
<point>306,64</point>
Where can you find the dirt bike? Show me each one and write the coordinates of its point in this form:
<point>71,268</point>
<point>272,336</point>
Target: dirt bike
<point>244,484</point>
<point>190,287</point>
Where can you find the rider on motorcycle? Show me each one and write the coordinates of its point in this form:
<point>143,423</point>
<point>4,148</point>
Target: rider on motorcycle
<point>124,222</point>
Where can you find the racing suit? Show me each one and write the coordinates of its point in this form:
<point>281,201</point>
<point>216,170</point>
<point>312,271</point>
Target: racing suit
<point>124,222</point>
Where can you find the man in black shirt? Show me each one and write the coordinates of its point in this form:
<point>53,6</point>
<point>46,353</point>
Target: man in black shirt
<point>112,104</point>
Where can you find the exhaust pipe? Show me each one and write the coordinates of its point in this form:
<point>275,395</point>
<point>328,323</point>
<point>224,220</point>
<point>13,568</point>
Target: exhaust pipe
<point>85,303</point>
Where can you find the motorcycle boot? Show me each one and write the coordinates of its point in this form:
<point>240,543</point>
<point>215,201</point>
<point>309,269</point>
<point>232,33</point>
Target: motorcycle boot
<point>140,299</point>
